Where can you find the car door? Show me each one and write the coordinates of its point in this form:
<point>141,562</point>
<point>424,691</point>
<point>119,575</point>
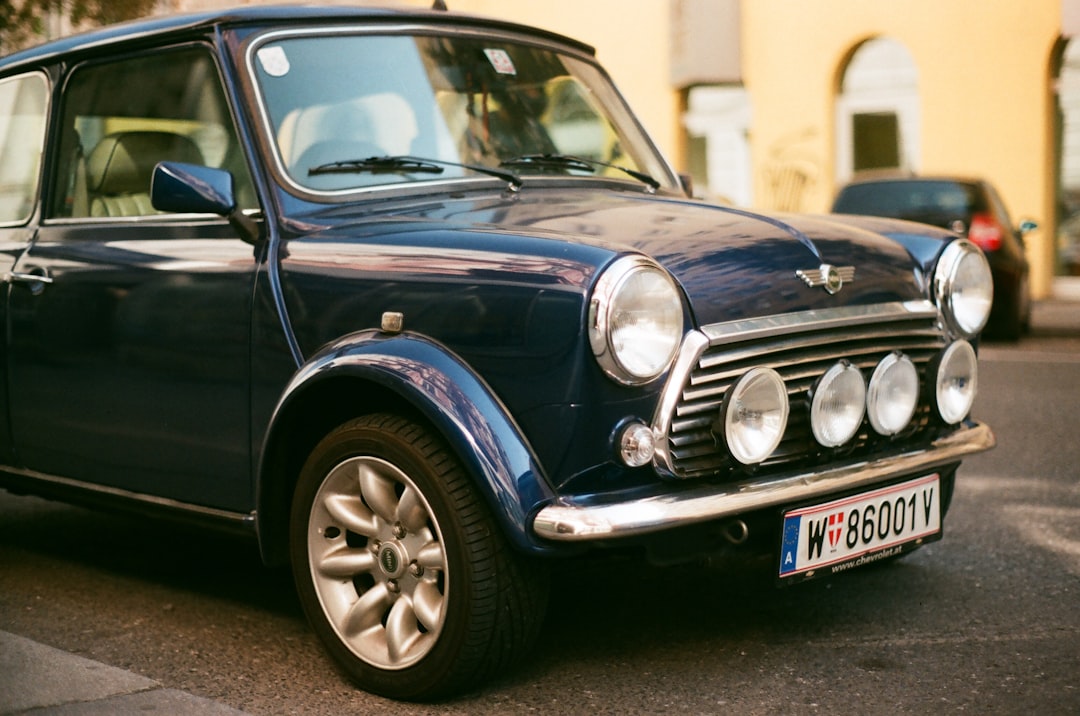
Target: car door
<point>129,360</point>
<point>23,114</point>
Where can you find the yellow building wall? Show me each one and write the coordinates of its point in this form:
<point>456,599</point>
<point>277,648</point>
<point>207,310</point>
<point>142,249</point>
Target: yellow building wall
<point>631,38</point>
<point>984,87</point>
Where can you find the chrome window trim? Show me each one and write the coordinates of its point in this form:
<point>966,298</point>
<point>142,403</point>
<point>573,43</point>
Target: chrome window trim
<point>164,217</point>
<point>696,342</point>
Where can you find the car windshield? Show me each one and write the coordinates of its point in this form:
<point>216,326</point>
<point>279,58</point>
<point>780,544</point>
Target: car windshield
<point>333,99</point>
<point>929,201</point>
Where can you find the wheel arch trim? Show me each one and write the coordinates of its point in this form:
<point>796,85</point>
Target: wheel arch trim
<point>439,386</point>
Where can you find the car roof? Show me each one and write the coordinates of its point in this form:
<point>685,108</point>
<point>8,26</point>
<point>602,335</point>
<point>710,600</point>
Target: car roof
<point>164,27</point>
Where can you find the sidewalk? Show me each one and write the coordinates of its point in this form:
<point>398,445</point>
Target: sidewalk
<point>1060,313</point>
<point>38,679</point>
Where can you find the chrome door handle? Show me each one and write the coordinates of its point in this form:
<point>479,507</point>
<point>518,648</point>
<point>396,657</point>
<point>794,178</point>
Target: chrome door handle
<point>42,277</point>
<point>37,278</point>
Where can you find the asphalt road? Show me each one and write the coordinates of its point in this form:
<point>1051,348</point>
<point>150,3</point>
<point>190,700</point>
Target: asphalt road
<point>984,621</point>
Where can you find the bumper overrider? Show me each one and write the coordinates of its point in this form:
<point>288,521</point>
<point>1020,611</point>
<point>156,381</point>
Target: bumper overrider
<point>800,349</point>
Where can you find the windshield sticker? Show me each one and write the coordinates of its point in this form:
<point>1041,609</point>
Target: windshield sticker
<point>274,61</point>
<point>501,62</point>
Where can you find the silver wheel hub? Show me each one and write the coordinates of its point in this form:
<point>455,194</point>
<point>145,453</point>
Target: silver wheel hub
<point>377,562</point>
<point>392,561</point>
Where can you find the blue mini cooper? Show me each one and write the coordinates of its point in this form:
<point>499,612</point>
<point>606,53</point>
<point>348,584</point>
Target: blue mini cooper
<point>412,299</point>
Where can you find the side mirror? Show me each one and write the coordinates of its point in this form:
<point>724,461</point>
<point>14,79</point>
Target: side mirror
<point>196,189</point>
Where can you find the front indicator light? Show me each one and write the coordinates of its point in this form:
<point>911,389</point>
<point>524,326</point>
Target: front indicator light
<point>956,382</point>
<point>754,415</point>
<point>838,405</point>
<point>893,394</point>
<point>637,445</point>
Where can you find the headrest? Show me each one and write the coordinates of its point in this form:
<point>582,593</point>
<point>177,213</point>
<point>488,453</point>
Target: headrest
<point>123,163</point>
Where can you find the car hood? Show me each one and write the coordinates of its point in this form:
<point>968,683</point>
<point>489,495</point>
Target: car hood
<point>731,263</point>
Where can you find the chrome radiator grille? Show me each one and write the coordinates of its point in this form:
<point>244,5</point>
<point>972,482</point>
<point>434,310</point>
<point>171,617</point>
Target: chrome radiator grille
<point>800,347</point>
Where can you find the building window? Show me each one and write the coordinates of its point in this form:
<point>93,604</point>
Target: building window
<point>877,112</point>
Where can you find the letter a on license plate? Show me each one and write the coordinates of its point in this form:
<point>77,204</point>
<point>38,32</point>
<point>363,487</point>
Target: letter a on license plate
<point>860,529</point>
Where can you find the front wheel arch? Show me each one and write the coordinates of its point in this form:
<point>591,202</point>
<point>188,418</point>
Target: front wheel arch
<point>296,433</point>
<point>416,378</point>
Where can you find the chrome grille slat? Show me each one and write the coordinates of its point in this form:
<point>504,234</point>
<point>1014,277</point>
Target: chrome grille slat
<point>680,427</point>
<point>882,338</point>
<point>800,353</point>
<point>732,369</point>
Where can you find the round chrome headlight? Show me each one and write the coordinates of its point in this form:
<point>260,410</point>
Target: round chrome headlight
<point>964,288</point>
<point>754,415</point>
<point>956,382</point>
<point>838,405</point>
<point>893,394</point>
<point>635,320</point>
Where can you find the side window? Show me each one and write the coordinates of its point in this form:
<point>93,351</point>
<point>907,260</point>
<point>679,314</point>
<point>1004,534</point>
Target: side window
<point>121,118</point>
<point>23,104</point>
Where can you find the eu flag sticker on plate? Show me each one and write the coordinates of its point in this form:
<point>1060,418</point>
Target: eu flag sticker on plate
<point>501,61</point>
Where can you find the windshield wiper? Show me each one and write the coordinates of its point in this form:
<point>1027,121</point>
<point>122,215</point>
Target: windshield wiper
<point>404,164</point>
<point>377,165</point>
<point>549,161</point>
<point>566,161</point>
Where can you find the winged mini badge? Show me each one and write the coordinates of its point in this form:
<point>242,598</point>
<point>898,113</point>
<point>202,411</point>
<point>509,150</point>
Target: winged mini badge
<point>831,277</point>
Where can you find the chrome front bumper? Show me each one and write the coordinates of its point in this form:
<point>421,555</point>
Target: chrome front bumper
<point>582,519</point>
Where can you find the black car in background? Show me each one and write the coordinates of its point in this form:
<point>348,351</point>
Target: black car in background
<point>970,207</point>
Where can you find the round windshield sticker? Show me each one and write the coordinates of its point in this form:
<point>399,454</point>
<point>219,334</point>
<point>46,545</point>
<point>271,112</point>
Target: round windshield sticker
<point>274,61</point>
<point>501,62</point>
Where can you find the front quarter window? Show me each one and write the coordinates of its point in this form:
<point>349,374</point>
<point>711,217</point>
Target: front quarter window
<point>23,102</point>
<point>453,101</point>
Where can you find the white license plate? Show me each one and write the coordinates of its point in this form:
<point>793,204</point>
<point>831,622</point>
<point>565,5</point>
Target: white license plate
<point>856,530</point>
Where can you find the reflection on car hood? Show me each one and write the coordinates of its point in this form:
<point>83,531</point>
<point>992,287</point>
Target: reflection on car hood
<point>731,263</point>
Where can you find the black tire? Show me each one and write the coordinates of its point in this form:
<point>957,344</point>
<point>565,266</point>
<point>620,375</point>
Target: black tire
<point>400,567</point>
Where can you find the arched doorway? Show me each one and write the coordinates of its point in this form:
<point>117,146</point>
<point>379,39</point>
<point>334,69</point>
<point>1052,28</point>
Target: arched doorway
<point>1067,247</point>
<point>878,123</point>
<point>717,122</point>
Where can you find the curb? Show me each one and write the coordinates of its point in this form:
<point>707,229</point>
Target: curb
<point>40,679</point>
